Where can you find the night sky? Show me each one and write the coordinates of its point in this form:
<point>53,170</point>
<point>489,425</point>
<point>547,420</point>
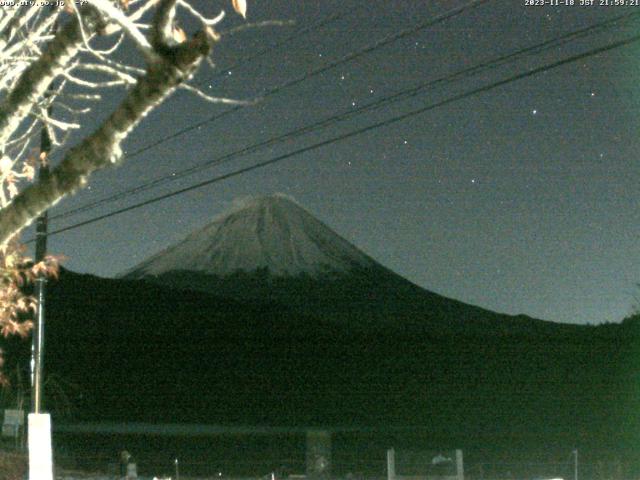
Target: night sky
<point>519,199</point>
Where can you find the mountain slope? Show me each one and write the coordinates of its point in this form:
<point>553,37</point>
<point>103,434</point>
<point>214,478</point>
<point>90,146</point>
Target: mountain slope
<point>268,233</point>
<point>271,249</point>
<point>138,351</point>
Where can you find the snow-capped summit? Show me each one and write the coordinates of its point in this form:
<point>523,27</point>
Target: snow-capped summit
<point>272,233</point>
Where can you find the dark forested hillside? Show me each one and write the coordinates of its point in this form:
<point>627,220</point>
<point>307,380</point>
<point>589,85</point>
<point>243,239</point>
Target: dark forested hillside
<point>139,351</point>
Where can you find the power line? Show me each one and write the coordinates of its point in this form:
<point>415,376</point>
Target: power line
<point>302,78</point>
<point>404,94</point>
<point>360,131</point>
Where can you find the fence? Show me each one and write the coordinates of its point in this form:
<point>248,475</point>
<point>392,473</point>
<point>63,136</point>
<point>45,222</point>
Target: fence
<point>604,469</point>
<point>351,468</point>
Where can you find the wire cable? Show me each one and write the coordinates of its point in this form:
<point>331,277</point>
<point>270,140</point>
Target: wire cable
<point>302,78</point>
<point>359,131</point>
<point>402,95</point>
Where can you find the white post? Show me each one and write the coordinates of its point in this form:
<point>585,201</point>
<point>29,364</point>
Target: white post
<point>460,465</point>
<point>40,456</point>
<point>391,464</point>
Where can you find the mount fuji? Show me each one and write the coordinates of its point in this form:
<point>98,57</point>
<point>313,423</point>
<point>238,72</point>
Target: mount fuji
<point>270,233</point>
<point>271,249</point>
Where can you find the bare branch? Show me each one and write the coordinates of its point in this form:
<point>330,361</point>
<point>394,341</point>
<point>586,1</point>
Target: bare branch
<point>8,16</point>
<point>137,15</point>
<point>90,84</point>
<point>102,148</point>
<point>15,24</point>
<point>75,111</point>
<point>25,144</point>
<point>35,80</point>
<point>82,96</point>
<point>209,22</point>
<point>50,121</point>
<point>211,99</point>
<point>115,46</point>
<point>127,26</point>
<point>23,136</point>
<point>162,32</point>
<point>35,36</point>
<point>109,70</point>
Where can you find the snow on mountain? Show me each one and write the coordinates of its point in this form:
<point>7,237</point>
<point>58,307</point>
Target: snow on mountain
<point>270,232</point>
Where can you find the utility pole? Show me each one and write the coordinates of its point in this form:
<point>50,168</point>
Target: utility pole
<point>39,424</point>
<point>37,340</point>
<point>41,282</point>
<point>575,464</point>
<point>37,347</point>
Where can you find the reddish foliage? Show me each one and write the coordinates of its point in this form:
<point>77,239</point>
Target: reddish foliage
<point>16,270</point>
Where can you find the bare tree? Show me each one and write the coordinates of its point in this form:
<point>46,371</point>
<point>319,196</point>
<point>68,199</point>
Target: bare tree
<point>48,56</point>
